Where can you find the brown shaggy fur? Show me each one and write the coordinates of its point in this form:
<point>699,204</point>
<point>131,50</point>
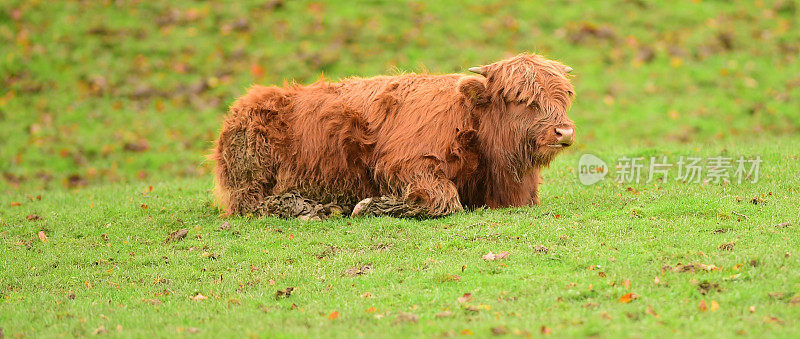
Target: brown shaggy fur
<point>438,143</point>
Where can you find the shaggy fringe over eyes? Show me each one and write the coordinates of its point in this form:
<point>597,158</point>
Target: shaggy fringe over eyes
<point>531,79</point>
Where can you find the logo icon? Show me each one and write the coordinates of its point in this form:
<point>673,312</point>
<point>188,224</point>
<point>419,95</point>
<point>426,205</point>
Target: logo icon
<point>591,169</point>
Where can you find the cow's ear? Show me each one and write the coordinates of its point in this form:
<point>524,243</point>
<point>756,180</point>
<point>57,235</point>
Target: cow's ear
<point>473,89</point>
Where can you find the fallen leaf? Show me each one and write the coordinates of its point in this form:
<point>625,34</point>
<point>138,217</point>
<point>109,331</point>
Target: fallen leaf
<point>333,315</point>
<point>444,314</point>
<point>652,312</point>
<point>465,298</point>
<point>366,295</point>
<point>15,204</point>
<point>775,295</point>
<point>656,280</point>
<point>752,309</point>
<point>627,297</point>
<point>198,297</point>
<point>152,301</point>
<point>451,277</point>
<point>477,308</point>
<point>540,249</point>
<point>33,217</point>
<point>176,236</point>
<point>140,145</point>
<point>690,268</point>
<point>225,226</point>
<point>713,306</point>
<point>42,236</point>
<point>727,246</point>
<point>499,330</point>
<point>358,270</point>
<point>284,293</point>
<point>626,284</point>
<point>702,307</point>
<point>100,330</point>
<point>705,287</point>
<point>491,256</point>
<point>406,318</point>
<point>370,310</point>
<point>545,330</point>
<point>466,332</point>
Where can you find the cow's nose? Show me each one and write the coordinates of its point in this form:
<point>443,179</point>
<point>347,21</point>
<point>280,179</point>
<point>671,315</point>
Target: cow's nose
<point>565,135</point>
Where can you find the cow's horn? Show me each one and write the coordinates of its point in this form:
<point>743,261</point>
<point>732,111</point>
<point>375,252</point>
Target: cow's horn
<point>568,69</point>
<point>477,69</point>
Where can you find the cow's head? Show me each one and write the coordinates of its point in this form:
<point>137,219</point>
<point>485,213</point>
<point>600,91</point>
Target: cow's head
<point>533,94</point>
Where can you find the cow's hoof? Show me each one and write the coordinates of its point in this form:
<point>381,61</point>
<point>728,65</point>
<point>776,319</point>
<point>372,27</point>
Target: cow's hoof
<point>361,208</point>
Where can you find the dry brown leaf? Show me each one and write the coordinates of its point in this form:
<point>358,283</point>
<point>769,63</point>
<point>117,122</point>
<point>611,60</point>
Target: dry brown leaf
<point>152,301</point>
<point>358,270</point>
<point>651,311</point>
<point>545,330</point>
<point>284,293</point>
<point>690,268</point>
<point>491,256</point>
<point>176,236</point>
<point>406,318</point>
<point>198,297</point>
<point>444,314</point>
<point>42,236</point>
<point>773,320</point>
<point>499,330</point>
<point>775,295</point>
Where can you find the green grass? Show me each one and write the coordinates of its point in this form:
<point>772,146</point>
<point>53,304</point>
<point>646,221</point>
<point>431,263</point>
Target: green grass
<point>84,87</point>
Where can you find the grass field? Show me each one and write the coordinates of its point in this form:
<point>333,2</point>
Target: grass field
<point>108,108</point>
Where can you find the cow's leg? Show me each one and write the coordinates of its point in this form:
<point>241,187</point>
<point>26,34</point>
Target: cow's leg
<point>294,205</point>
<point>533,180</point>
<point>425,196</point>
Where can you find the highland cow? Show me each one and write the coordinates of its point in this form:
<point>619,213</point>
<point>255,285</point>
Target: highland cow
<point>410,145</point>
